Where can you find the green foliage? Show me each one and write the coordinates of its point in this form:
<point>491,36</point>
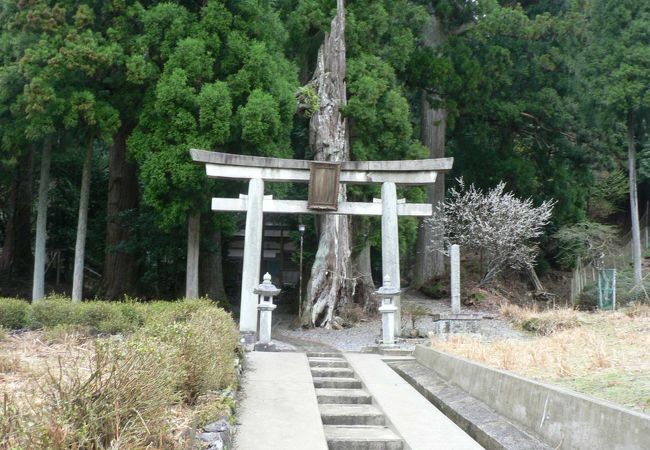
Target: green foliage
<point>589,241</point>
<point>221,81</point>
<point>309,98</point>
<point>13,313</point>
<point>507,84</point>
<point>96,317</point>
<point>607,194</point>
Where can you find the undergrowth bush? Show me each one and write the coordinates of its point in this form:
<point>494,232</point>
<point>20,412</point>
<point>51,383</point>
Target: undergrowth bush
<point>205,339</point>
<point>13,313</point>
<point>541,322</point>
<point>121,393</point>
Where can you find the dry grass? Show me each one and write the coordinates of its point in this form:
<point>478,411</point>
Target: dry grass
<point>63,388</point>
<point>601,354</point>
<point>542,322</point>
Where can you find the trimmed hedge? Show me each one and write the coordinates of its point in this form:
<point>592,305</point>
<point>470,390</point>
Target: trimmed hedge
<point>98,317</point>
<point>13,313</point>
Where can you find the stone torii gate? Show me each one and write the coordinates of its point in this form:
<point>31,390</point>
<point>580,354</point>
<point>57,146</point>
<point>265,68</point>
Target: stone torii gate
<point>258,169</point>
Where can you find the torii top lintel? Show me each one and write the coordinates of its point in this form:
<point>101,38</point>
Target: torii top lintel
<point>407,172</point>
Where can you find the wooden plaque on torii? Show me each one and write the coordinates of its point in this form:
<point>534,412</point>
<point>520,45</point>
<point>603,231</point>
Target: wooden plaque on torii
<point>324,180</point>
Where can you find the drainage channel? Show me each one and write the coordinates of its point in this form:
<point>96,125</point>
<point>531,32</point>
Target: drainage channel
<point>350,420</point>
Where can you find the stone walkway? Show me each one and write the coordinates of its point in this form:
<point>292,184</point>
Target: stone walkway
<point>329,400</point>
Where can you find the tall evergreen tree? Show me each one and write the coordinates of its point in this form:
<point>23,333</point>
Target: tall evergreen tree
<point>615,68</point>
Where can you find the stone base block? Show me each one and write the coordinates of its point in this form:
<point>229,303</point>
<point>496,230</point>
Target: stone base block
<point>247,338</point>
<point>265,347</point>
<point>456,323</point>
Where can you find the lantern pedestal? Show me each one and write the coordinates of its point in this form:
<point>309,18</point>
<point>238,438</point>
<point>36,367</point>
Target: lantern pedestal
<point>388,324</point>
<point>266,312</point>
<point>387,292</point>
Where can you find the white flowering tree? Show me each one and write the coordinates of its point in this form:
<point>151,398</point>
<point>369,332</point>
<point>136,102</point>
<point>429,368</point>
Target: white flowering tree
<point>496,224</point>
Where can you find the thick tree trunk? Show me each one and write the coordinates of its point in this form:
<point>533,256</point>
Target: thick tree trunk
<point>16,256</point>
<point>211,265</point>
<point>634,204</point>
<point>330,283</point>
<point>363,294</point>
<point>38,286</point>
<point>120,265</point>
<point>430,261</point>
<point>82,226</point>
<point>192,271</point>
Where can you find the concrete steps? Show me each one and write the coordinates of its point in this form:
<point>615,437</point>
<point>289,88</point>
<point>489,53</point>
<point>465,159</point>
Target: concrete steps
<point>343,396</point>
<point>362,438</point>
<point>350,421</point>
<point>351,415</point>
<point>336,383</point>
<point>327,362</point>
<point>339,372</point>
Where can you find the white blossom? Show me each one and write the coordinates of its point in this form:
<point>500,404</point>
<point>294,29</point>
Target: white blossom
<point>499,226</point>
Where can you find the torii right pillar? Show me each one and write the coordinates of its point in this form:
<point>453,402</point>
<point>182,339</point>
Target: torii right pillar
<point>390,245</point>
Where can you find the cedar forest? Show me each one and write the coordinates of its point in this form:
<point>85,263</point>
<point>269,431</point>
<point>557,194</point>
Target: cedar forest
<point>100,102</point>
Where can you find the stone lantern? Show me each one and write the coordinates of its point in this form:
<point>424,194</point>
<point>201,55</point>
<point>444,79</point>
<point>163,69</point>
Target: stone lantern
<point>387,310</point>
<point>265,291</point>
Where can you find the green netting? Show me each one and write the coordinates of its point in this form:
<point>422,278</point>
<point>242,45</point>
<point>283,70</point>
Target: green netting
<point>607,288</point>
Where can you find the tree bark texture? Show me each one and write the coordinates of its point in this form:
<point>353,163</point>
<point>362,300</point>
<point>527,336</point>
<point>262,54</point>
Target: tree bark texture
<point>16,256</point>
<point>634,203</point>
<point>40,256</point>
<point>120,265</point>
<point>330,282</point>
<point>364,290</point>
<point>82,226</point>
<point>211,265</point>
<point>192,268</point>
<point>430,260</point>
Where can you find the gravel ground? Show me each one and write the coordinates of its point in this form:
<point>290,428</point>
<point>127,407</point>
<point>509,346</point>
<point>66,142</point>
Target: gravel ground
<point>367,332</point>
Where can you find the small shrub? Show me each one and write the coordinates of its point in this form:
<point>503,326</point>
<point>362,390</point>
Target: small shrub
<point>214,406</point>
<point>50,312</point>
<point>436,289</point>
<point>414,312</point>
<point>13,425</point>
<point>544,322</point>
<point>67,334</point>
<point>9,363</point>
<point>205,340</point>
<point>13,313</point>
<point>637,309</point>
<point>3,334</point>
<point>351,313</point>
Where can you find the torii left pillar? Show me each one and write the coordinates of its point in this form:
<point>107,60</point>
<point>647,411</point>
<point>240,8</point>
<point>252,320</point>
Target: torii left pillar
<point>390,245</point>
<point>252,256</point>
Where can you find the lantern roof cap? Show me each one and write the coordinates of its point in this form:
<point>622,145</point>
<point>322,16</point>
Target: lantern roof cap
<point>266,288</point>
<point>387,289</point>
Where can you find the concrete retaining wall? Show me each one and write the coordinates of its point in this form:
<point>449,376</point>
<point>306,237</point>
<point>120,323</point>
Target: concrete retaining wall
<point>566,419</point>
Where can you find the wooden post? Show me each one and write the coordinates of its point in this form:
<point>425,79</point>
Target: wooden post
<point>192,263</point>
<point>252,256</point>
